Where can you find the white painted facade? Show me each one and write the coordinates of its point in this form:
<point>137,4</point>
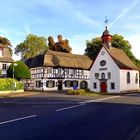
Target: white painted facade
<point>110,74</point>
<point>49,78</point>
<point>134,80</point>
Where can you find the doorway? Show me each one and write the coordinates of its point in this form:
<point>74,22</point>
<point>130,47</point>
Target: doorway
<point>103,87</point>
<point>83,85</point>
<point>60,85</point>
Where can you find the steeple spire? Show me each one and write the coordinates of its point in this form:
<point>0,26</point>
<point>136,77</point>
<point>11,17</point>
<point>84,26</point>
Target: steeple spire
<point>106,21</point>
<point>106,37</point>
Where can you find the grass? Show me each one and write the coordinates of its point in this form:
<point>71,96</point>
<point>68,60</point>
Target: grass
<point>83,92</point>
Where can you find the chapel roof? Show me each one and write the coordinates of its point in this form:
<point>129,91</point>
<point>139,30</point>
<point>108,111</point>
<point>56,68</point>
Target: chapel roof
<point>121,59</point>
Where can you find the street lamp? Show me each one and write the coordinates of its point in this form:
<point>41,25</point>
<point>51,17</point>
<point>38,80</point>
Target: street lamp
<point>14,65</point>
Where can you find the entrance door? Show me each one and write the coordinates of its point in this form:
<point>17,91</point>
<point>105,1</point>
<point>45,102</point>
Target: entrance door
<point>103,87</point>
<point>60,85</point>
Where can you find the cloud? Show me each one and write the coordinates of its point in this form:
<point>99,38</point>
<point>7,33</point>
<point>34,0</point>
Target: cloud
<point>125,11</point>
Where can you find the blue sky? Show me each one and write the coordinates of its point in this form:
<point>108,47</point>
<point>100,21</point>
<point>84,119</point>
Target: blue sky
<point>76,20</point>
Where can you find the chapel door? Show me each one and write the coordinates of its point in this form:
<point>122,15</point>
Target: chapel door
<point>103,87</point>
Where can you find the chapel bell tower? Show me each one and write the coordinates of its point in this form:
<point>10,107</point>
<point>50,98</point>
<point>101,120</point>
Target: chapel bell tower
<point>106,37</point>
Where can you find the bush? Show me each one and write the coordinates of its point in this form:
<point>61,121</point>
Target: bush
<point>7,84</point>
<point>76,92</point>
<point>21,71</point>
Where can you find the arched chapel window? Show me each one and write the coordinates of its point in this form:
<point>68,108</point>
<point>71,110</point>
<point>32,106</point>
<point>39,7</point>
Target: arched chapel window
<point>128,77</point>
<point>136,78</point>
<point>102,75</point>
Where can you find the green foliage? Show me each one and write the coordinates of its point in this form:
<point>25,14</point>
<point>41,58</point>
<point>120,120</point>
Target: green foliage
<point>21,71</point>
<point>118,41</point>
<point>31,46</point>
<point>76,92</point>
<point>7,43</point>
<point>7,84</point>
<point>93,47</point>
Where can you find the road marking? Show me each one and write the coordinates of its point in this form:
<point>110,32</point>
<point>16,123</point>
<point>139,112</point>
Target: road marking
<point>85,102</point>
<point>74,106</point>
<point>18,119</point>
<point>102,99</point>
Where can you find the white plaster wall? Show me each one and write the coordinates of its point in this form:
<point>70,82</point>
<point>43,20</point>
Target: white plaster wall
<point>111,67</point>
<point>124,86</point>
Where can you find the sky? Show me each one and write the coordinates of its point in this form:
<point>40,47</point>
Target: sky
<point>75,20</point>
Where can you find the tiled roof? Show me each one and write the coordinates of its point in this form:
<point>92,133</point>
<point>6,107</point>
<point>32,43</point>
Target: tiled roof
<point>121,59</point>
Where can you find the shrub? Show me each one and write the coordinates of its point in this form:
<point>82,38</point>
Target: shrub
<point>76,92</point>
<point>21,71</point>
<point>7,84</point>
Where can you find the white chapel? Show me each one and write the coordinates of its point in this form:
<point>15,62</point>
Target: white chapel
<point>113,71</point>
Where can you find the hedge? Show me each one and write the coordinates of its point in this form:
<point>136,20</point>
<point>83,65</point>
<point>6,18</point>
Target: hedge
<point>7,84</point>
<point>76,92</point>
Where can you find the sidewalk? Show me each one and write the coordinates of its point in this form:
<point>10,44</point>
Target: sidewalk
<point>19,94</point>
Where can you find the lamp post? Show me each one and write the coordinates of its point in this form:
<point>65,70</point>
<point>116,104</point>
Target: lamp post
<point>14,65</point>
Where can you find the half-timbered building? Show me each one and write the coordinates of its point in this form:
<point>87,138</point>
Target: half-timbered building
<point>54,70</point>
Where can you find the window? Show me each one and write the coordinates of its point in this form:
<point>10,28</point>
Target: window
<point>50,70</point>
<point>59,71</point>
<point>4,66</point>
<point>67,71</point>
<point>74,72</point>
<point>112,85</point>
<point>136,79</point>
<point>103,76</point>
<point>102,63</point>
<point>109,75</point>
<point>128,77</point>
<point>94,85</point>
<point>39,84</point>
<point>67,83</point>
<point>50,84</point>
<point>75,83</point>
<point>96,75</point>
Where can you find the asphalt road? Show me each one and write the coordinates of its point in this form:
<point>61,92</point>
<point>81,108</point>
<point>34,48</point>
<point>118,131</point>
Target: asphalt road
<point>60,117</point>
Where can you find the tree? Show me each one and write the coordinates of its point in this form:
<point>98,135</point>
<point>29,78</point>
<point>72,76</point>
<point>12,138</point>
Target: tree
<point>21,71</point>
<point>31,46</point>
<point>4,41</point>
<point>60,46</point>
<point>93,47</point>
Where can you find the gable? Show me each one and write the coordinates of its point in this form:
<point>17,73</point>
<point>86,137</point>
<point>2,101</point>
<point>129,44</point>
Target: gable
<point>103,55</point>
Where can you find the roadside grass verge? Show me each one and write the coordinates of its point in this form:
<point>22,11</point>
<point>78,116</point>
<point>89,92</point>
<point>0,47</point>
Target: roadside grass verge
<point>83,92</point>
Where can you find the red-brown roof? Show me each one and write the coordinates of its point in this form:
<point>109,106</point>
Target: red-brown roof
<point>121,59</point>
